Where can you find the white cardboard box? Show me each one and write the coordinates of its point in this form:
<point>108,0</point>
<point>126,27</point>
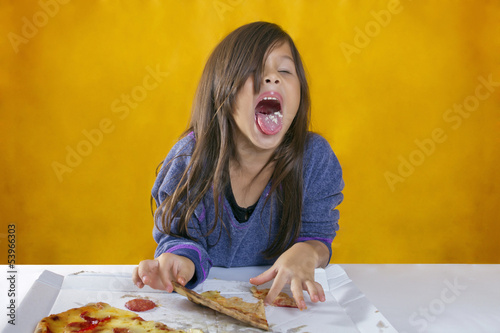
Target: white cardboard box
<point>346,309</point>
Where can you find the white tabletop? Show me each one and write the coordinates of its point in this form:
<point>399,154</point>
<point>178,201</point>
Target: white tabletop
<point>413,297</point>
<point>433,298</point>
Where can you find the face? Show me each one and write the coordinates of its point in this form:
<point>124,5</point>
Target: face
<point>262,119</point>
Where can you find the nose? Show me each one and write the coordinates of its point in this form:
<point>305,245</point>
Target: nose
<point>271,78</point>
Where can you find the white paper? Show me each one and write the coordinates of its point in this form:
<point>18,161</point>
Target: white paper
<point>346,309</point>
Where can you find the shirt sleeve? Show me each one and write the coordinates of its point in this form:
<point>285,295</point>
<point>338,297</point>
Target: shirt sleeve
<point>323,186</point>
<point>195,249</point>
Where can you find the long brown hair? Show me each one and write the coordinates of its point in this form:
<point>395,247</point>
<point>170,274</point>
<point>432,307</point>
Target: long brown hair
<point>238,56</point>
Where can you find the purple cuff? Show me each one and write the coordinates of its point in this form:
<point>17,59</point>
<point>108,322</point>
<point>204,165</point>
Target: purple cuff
<point>191,247</point>
<point>303,239</point>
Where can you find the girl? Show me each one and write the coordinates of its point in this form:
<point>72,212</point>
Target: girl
<point>247,184</point>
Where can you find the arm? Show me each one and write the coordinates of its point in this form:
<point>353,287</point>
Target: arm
<point>193,250</point>
<point>176,259</point>
<point>322,193</point>
<point>320,250</point>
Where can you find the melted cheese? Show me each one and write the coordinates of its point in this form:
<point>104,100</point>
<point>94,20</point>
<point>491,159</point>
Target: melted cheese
<point>103,318</point>
<point>282,300</point>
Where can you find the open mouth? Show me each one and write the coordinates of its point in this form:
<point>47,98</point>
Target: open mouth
<point>268,115</point>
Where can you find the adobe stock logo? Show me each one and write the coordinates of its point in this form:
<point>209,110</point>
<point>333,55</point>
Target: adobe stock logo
<point>120,107</point>
<point>31,27</point>
<point>373,28</point>
<point>436,307</point>
<point>455,116</point>
<point>222,7</point>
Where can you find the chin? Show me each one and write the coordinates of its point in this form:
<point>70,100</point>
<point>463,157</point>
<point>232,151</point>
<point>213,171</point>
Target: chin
<point>267,142</point>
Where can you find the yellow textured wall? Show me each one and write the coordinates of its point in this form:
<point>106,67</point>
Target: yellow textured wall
<point>400,89</point>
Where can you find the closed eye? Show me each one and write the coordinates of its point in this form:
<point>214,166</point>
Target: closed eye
<point>285,71</point>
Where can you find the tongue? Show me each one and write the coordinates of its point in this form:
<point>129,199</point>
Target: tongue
<point>270,124</point>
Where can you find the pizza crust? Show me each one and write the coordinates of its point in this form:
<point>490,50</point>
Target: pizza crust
<point>250,313</point>
<point>42,327</point>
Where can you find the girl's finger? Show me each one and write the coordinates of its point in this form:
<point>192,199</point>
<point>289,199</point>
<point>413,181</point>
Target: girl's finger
<point>268,275</point>
<point>278,284</point>
<point>312,289</point>
<point>145,270</point>
<point>165,274</point>
<point>136,279</point>
<point>179,274</point>
<point>298,294</point>
<point>321,292</point>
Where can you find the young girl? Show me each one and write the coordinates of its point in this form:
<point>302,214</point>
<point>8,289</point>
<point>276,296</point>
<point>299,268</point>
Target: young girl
<point>247,184</point>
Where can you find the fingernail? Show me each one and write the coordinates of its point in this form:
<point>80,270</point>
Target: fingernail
<point>315,298</point>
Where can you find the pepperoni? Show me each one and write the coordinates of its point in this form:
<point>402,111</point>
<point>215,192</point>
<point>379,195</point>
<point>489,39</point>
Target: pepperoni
<point>139,305</point>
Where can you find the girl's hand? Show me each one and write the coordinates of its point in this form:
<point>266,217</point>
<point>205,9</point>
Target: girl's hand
<point>296,267</point>
<point>158,273</point>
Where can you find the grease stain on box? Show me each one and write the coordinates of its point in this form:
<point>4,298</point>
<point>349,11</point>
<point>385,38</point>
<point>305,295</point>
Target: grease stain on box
<point>296,329</point>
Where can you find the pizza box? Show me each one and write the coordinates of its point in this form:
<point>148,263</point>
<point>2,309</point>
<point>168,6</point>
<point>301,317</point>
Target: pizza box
<point>346,308</point>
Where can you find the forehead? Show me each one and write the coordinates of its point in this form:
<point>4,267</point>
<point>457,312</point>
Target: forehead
<point>279,51</point>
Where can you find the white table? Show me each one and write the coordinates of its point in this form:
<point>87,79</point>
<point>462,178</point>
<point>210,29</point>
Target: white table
<point>433,298</point>
<point>413,297</point>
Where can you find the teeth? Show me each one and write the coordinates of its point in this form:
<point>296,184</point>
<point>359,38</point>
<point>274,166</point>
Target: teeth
<point>269,98</point>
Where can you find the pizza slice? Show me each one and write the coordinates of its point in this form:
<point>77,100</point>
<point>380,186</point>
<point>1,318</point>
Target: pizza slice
<point>253,314</point>
<point>282,300</point>
<point>101,317</point>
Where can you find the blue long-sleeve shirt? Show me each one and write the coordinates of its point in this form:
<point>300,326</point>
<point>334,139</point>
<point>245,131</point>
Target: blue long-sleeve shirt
<point>323,184</point>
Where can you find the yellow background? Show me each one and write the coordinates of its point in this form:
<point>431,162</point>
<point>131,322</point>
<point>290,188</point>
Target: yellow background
<point>384,76</point>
